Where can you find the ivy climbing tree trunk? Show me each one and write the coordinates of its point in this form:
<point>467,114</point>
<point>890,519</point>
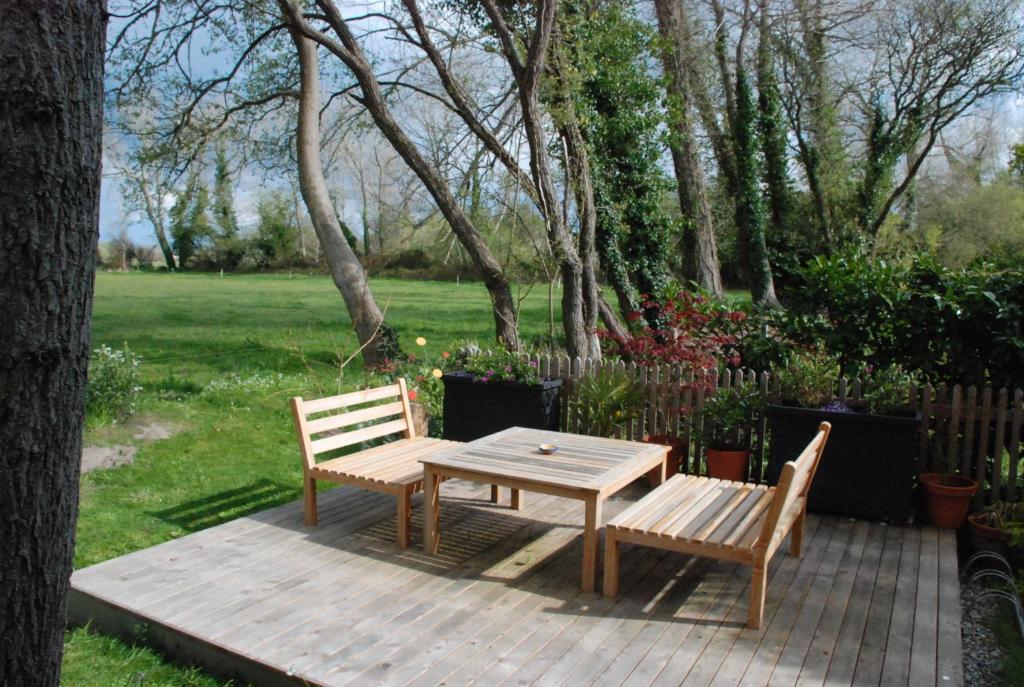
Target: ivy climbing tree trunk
<point>772,130</point>
<point>377,340</point>
<point>701,245</point>
<point>51,109</point>
<point>750,210</point>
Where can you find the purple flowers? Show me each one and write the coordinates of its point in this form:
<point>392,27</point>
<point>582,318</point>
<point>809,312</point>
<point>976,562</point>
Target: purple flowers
<point>836,407</point>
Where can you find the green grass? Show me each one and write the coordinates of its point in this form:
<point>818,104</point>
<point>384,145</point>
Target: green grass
<point>1008,636</point>
<point>92,660</point>
<point>220,357</point>
<point>195,327</point>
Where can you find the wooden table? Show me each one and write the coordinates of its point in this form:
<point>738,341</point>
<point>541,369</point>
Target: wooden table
<point>585,468</point>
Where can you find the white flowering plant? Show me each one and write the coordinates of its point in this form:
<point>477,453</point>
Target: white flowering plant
<point>114,388</point>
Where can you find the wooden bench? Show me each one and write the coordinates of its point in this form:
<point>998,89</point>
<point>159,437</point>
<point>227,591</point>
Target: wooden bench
<point>391,468</point>
<point>733,521</point>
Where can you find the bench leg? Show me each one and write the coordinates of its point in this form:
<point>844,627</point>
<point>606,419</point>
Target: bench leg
<point>431,510</point>
<point>796,537</point>
<point>495,493</point>
<point>404,518</point>
<point>611,564</point>
<point>758,581</point>
<point>309,500</point>
<point>591,541</point>
<point>517,499</point>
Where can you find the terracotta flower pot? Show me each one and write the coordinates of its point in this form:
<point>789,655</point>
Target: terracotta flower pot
<point>676,456</point>
<point>728,465</point>
<point>985,537</point>
<point>947,498</point>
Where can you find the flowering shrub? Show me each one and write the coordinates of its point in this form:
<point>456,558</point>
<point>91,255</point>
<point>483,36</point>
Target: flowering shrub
<point>113,383</point>
<point>502,366</point>
<point>693,331</point>
<point>422,374</point>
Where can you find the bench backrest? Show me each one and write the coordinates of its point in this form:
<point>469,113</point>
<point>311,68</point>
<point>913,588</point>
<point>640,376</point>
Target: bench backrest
<point>321,428</point>
<point>794,482</point>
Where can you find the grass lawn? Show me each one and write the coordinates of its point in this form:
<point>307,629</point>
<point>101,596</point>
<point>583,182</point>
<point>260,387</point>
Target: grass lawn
<point>220,357</point>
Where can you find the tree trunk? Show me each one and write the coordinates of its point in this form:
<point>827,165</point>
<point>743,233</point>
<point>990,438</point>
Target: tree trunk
<point>527,75</point>
<point>823,155</point>
<point>611,321</point>
<point>583,188</point>
<point>155,212</point>
<point>772,130</point>
<point>750,210</point>
<point>377,340</point>
<point>350,53</point>
<point>51,108</point>
<point>702,257</point>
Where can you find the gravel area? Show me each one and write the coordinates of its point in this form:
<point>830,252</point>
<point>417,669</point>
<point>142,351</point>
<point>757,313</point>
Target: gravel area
<point>982,654</point>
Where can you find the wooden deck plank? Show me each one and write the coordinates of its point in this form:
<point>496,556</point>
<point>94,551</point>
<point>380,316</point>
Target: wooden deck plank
<point>747,645</point>
<point>896,664</point>
<point>926,611</point>
<point>781,571</point>
<point>465,625</point>
<point>826,635</point>
<point>843,660</point>
<point>950,665</point>
<point>782,652</point>
<point>340,603</point>
<point>868,670</point>
<point>578,640</point>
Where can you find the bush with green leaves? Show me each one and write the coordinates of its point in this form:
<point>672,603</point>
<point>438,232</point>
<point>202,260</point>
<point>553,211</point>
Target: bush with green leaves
<point>728,414</point>
<point>808,378</point>
<point>113,388</point>
<point>956,326</point>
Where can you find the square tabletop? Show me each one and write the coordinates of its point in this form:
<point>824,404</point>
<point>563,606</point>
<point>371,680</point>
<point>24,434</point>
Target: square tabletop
<point>584,463</point>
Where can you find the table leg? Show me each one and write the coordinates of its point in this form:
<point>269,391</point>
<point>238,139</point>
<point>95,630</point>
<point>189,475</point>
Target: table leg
<point>431,510</point>
<point>664,468</point>
<point>591,542</point>
<point>495,493</point>
<point>517,499</point>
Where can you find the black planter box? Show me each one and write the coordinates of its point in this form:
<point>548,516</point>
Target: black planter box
<point>867,469</point>
<point>475,409</point>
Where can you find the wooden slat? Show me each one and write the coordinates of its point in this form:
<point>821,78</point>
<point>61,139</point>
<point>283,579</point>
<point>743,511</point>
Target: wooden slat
<point>352,398</point>
<point>1012,486</point>
<point>354,417</point>
<point>360,435</point>
<point>926,419</point>
<point>952,452</point>
<point>938,429</point>
<point>997,449</point>
<point>982,456</point>
<point>970,420</point>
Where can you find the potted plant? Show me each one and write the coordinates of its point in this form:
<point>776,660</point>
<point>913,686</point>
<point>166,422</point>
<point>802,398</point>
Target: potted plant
<point>999,528</point>
<point>725,430</point>
<point>608,401</point>
<point>487,392</point>
<point>947,497</point>
<point>867,468</point>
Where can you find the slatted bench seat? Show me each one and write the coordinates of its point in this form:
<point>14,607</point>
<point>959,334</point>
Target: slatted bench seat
<point>391,468</point>
<point>733,521</point>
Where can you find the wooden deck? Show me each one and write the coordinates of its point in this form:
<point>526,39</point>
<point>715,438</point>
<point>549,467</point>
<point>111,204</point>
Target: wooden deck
<point>266,600</point>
